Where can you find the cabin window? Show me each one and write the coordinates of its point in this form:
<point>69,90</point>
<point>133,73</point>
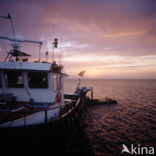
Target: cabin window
<point>55,82</point>
<point>14,79</point>
<point>37,80</point>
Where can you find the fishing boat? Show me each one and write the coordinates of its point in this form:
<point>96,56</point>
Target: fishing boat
<point>32,93</point>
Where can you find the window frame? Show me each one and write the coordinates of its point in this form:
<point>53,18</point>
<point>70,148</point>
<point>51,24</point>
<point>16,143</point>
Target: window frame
<point>38,72</point>
<point>6,79</point>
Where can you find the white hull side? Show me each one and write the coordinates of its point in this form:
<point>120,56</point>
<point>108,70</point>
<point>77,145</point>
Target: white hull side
<point>34,119</point>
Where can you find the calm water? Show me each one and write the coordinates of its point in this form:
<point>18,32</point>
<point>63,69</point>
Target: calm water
<point>131,121</point>
<point>102,128</point>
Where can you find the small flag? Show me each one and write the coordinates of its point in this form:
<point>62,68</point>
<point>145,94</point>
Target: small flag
<point>81,73</point>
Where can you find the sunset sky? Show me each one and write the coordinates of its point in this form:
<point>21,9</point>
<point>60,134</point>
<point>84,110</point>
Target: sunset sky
<point>107,38</point>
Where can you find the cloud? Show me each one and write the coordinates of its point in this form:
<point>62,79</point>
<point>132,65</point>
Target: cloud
<point>87,28</point>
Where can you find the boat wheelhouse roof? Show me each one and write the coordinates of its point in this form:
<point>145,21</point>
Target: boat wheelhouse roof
<point>31,66</point>
<point>13,65</point>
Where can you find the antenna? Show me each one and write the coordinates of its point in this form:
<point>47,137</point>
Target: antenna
<point>54,45</point>
<point>46,56</point>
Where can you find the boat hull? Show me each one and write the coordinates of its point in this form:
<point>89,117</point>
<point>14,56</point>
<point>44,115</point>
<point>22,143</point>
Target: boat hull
<point>50,133</point>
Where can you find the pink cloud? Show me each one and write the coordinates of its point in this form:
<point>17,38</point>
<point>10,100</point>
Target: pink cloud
<point>122,28</point>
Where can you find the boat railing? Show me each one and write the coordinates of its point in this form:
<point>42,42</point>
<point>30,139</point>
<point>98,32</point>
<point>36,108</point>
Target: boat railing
<point>26,113</point>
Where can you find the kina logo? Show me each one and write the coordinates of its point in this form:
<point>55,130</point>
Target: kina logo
<point>138,150</point>
<point>125,149</point>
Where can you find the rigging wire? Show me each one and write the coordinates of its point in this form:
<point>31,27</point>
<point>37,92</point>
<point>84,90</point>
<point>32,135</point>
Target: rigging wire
<point>13,31</point>
<point>12,27</point>
<point>3,46</point>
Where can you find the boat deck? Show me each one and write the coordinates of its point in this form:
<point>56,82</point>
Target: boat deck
<point>23,110</point>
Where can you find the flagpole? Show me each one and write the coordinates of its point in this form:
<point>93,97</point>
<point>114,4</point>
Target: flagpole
<point>78,85</point>
<point>80,79</point>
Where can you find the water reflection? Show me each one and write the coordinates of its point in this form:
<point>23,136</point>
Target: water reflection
<point>132,121</point>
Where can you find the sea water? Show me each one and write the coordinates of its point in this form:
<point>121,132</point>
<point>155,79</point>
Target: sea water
<point>131,121</point>
<point>102,130</point>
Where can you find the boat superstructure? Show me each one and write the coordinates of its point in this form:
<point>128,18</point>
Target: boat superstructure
<point>32,93</point>
<point>26,81</point>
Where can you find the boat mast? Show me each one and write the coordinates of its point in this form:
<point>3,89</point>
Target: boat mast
<point>15,41</point>
<point>54,45</point>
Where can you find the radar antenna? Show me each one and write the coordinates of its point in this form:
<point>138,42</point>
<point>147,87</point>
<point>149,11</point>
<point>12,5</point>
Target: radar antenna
<point>16,52</point>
